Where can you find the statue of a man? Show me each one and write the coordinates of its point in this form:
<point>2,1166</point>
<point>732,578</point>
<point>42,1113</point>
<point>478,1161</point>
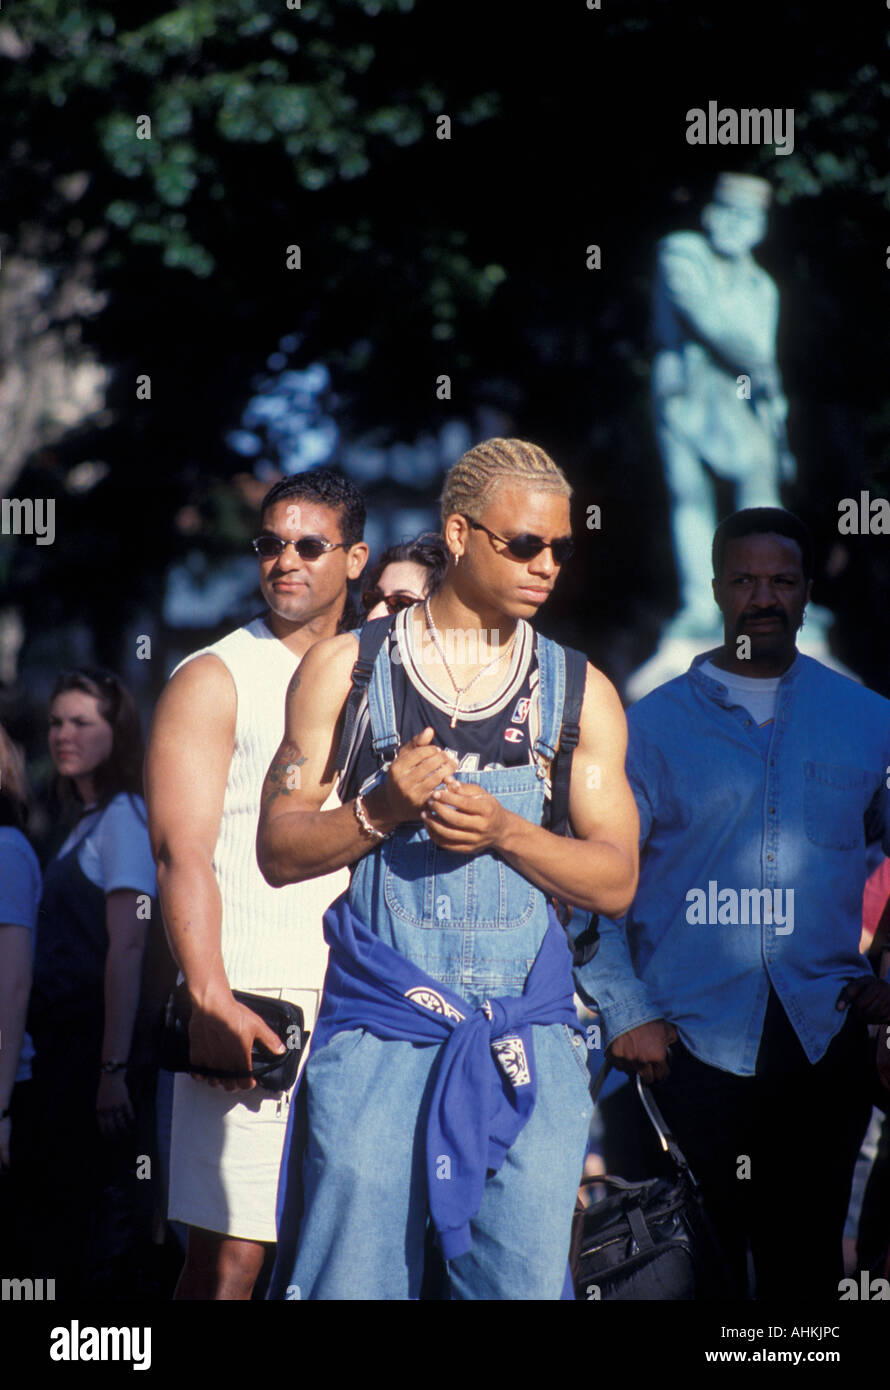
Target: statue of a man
<point>715,382</point>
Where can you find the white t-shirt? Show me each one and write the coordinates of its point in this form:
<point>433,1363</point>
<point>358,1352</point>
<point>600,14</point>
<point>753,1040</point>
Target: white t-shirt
<point>20,887</point>
<point>114,847</point>
<point>757,695</point>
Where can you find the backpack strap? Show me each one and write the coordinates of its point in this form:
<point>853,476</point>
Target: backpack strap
<point>584,946</point>
<point>569,734</point>
<point>371,639</point>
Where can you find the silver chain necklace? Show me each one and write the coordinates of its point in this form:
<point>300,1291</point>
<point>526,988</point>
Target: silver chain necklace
<point>460,691</point>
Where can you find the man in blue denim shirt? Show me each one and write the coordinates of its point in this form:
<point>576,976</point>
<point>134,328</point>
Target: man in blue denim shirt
<point>760,776</point>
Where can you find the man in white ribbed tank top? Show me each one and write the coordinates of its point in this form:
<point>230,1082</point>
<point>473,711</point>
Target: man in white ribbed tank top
<point>217,725</point>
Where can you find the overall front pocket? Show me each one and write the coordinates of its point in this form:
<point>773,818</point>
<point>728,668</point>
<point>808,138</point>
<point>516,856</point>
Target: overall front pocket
<point>439,888</point>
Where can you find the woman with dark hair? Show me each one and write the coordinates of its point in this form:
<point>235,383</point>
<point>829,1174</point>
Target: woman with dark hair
<point>405,574</point>
<point>92,1063</point>
<point>19,897</point>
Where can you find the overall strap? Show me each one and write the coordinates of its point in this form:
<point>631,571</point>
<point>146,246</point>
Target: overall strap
<point>371,639</point>
<point>551,694</point>
<point>385,737</point>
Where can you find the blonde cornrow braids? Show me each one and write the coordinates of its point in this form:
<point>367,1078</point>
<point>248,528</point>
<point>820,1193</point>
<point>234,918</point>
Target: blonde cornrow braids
<point>470,482</point>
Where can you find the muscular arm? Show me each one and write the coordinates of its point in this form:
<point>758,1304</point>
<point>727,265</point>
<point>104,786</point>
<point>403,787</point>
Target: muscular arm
<point>598,869</point>
<point>186,769</point>
<point>296,840</point>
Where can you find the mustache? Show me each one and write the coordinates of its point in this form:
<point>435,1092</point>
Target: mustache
<point>767,613</point>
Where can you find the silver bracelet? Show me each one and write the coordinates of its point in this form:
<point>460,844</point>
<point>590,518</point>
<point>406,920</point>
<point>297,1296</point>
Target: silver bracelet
<point>365,824</point>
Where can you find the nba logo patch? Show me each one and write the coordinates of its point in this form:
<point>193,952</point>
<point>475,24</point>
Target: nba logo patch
<point>513,735</point>
<point>520,714</point>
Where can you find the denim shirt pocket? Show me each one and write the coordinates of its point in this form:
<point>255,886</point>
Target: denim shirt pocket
<point>836,796</point>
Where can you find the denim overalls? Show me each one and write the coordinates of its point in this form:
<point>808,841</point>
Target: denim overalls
<point>476,924</point>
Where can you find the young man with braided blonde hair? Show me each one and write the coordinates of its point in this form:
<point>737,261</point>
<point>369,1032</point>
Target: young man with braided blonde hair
<point>448,1080</point>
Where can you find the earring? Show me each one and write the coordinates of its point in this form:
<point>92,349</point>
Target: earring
<point>456,559</point>
<point>803,617</point>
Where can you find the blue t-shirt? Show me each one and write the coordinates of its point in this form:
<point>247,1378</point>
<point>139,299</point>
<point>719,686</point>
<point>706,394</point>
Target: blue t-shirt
<point>20,888</point>
<point>113,846</point>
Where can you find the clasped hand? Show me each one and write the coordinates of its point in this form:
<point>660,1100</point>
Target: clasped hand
<point>459,816</point>
<point>463,816</point>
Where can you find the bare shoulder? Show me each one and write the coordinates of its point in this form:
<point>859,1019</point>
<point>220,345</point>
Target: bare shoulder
<point>600,694</point>
<point>205,674</point>
<point>200,692</point>
<point>603,723</point>
<point>190,750</point>
<point>328,664</point>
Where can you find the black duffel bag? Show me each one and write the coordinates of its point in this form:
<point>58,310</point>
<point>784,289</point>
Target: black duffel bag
<point>647,1240</point>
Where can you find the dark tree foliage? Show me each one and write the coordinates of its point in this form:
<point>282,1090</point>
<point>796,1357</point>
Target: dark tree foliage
<point>316,127</point>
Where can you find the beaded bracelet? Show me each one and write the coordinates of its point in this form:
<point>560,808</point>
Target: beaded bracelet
<point>367,827</point>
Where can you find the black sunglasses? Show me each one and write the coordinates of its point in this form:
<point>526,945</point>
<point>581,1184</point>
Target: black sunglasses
<point>394,602</point>
<point>307,547</point>
<point>526,547</point>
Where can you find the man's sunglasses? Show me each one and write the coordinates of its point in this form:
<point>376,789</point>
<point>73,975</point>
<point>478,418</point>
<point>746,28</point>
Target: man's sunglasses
<point>394,602</point>
<point>307,547</point>
<point>526,547</point>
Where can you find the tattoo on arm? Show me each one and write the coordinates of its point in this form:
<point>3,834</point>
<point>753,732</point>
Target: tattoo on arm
<point>293,683</point>
<point>283,776</point>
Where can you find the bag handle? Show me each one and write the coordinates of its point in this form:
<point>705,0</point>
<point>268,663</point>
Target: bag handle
<point>656,1119</point>
<point>661,1127</point>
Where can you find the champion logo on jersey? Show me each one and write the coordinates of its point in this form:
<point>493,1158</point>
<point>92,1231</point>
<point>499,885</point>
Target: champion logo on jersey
<point>514,735</point>
<point>520,714</point>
